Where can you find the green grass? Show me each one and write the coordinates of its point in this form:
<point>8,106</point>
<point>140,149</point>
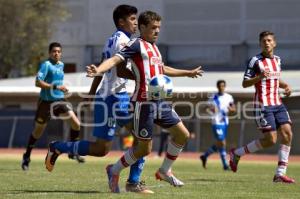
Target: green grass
<point>72,180</point>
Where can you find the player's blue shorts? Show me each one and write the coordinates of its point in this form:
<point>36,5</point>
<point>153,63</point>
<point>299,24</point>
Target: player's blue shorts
<point>270,118</point>
<point>147,113</point>
<point>220,131</point>
<point>110,112</point>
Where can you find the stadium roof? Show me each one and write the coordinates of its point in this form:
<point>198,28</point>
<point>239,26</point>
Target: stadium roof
<point>78,82</point>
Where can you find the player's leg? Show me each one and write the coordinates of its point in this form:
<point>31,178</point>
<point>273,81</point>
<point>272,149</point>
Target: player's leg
<point>211,149</point>
<point>266,122</point>
<point>34,136</point>
<point>168,118</point>
<point>179,136</point>
<point>124,119</point>
<point>221,144</point>
<point>41,118</point>
<point>63,110</point>
<point>285,134</point>
<point>74,134</point>
<point>143,125</point>
<point>142,149</point>
<point>104,132</point>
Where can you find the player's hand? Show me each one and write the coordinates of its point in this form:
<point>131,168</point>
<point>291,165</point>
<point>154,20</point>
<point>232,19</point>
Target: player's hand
<point>63,88</point>
<point>195,72</point>
<point>264,74</point>
<point>287,91</point>
<point>91,71</point>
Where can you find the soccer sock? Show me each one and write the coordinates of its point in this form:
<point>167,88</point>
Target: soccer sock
<point>173,151</point>
<point>126,160</point>
<point>222,152</point>
<point>210,151</point>
<point>249,148</point>
<point>75,148</point>
<point>74,135</point>
<point>283,158</point>
<point>136,171</point>
<point>30,145</point>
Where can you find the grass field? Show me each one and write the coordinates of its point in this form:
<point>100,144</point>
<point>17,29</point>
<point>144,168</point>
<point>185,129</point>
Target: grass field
<point>72,180</point>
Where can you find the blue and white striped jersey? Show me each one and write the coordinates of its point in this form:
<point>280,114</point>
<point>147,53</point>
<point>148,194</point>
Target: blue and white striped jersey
<point>111,83</point>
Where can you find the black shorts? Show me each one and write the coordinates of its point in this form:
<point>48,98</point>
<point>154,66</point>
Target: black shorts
<point>46,109</point>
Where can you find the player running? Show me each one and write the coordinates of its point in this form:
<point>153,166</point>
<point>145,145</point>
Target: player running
<point>263,71</point>
<point>147,63</point>
<point>112,95</point>
<point>220,105</point>
<point>50,79</point>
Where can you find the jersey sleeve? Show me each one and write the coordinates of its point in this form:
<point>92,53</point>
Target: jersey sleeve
<point>251,69</point>
<point>43,71</point>
<point>132,48</point>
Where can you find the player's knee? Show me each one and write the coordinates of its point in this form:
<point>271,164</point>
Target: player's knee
<point>143,151</point>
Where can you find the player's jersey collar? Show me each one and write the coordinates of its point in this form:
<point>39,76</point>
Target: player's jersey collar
<point>125,32</point>
<point>53,62</point>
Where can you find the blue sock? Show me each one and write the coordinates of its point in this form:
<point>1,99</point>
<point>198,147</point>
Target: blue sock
<point>75,148</point>
<point>222,152</point>
<point>136,171</point>
<point>210,151</point>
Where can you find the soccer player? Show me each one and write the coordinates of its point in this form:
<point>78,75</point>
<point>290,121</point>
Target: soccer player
<point>220,105</point>
<point>147,64</point>
<point>50,79</point>
<point>112,95</point>
<point>263,72</point>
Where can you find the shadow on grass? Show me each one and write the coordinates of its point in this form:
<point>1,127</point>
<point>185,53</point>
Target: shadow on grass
<point>55,191</point>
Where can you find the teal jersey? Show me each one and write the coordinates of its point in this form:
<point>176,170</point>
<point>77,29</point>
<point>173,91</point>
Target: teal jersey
<point>52,74</point>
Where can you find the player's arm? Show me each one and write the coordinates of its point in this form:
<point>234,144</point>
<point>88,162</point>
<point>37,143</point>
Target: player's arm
<point>45,85</point>
<point>251,81</point>
<point>173,72</point>
<point>211,109</point>
<point>231,108</point>
<point>286,87</point>
<point>253,75</point>
<point>93,71</point>
<point>39,81</point>
<point>124,72</point>
<point>127,52</point>
<point>95,84</point>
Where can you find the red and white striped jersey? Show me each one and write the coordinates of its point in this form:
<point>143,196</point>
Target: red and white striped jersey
<point>267,90</point>
<point>146,63</point>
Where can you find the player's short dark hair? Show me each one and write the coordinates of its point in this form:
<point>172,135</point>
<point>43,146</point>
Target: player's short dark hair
<point>53,45</point>
<point>265,33</point>
<point>146,17</point>
<point>220,82</point>
<point>122,12</point>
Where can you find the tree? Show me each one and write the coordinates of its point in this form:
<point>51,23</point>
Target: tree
<point>25,30</point>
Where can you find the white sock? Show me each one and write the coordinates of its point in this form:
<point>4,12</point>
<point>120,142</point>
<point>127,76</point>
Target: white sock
<point>249,148</point>
<point>126,160</point>
<point>283,158</point>
<point>173,151</point>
